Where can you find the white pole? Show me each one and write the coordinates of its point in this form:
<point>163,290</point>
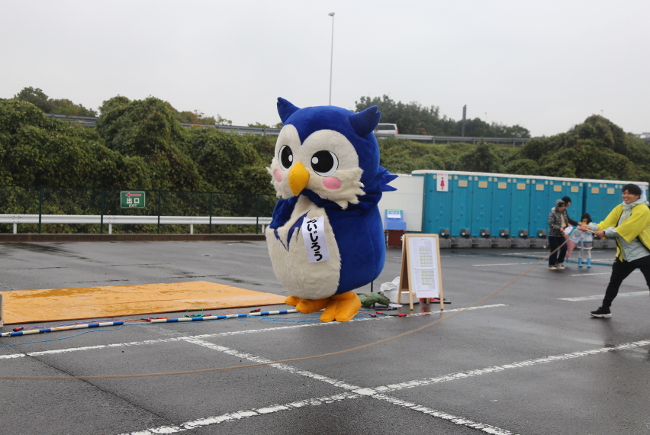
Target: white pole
<point>60,328</point>
<point>220,317</point>
<point>331,14</point>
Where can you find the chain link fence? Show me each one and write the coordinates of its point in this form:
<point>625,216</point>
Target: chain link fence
<point>54,210</point>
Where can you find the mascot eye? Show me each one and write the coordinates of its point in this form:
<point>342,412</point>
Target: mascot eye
<point>324,163</point>
<point>286,157</point>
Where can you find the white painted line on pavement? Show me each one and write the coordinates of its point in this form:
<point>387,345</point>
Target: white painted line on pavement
<point>353,393</point>
<point>599,297</point>
<point>377,392</point>
<point>501,264</point>
<point>460,421</point>
<point>281,366</point>
<point>209,421</point>
<point>232,416</point>
<point>600,273</point>
<point>591,274</point>
<point>496,369</point>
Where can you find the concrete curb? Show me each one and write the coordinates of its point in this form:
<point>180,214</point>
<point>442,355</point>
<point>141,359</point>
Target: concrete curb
<point>18,238</point>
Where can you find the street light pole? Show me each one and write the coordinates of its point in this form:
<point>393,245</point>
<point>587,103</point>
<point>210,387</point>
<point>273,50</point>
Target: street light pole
<point>331,14</point>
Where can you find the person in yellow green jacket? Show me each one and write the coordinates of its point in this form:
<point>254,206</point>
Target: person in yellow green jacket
<point>629,224</point>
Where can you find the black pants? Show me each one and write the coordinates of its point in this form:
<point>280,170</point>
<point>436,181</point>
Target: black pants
<point>557,257</point>
<point>620,271</point>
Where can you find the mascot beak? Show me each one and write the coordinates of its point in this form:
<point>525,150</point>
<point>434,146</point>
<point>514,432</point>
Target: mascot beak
<point>298,178</point>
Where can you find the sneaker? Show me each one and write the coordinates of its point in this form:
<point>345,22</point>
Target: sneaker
<point>602,313</point>
<point>552,267</point>
<point>560,265</point>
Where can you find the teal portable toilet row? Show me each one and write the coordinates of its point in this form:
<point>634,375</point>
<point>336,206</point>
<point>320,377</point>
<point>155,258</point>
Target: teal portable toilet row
<point>472,204</point>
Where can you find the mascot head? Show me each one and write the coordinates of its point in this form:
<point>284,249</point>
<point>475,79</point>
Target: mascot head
<point>327,150</point>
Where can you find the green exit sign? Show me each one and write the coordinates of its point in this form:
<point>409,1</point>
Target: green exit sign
<point>132,199</point>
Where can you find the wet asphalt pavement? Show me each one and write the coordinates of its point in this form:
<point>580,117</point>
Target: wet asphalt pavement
<point>528,360</point>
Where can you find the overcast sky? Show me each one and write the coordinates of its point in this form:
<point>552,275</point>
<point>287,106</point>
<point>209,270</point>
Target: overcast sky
<point>543,64</point>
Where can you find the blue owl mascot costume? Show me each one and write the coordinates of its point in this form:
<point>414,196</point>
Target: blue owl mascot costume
<point>326,236</point>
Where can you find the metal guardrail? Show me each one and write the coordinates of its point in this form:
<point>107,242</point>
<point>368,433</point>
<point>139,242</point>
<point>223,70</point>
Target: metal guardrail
<point>16,219</point>
<point>89,121</point>
<point>86,121</point>
<point>79,210</point>
<point>258,131</point>
<point>515,141</point>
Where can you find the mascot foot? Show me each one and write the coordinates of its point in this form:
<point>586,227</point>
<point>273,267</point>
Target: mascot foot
<point>341,307</point>
<point>307,305</point>
<point>292,300</point>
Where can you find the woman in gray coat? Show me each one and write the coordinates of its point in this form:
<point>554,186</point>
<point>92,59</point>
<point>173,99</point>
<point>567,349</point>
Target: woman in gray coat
<point>558,219</point>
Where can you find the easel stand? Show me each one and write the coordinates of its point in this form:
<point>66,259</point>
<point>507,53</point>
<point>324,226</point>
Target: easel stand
<point>420,272</point>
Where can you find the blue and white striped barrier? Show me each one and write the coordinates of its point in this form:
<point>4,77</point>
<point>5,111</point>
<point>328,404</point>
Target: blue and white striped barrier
<point>163,320</point>
<point>61,328</point>
<point>225,316</point>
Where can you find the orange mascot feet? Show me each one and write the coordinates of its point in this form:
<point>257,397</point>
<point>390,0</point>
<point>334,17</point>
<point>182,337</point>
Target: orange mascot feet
<point>292,300</point>
<point>341,307</point>
<point>307,305</point>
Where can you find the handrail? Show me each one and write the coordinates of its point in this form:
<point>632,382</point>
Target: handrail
<point>16,219</point>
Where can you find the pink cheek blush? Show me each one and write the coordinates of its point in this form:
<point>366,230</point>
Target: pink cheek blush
<point>332,183</point>
<point>278,175</point>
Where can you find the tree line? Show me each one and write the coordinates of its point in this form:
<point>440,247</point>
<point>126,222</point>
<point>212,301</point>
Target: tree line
<point>137,144</point>
<point>413,118</point>
<point>594,149</point>
<point>141,144</point>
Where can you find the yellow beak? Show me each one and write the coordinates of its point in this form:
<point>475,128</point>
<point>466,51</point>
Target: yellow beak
<point>298,178</point>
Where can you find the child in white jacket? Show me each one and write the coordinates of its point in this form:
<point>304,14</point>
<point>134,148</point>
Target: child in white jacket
<point>585,240</point>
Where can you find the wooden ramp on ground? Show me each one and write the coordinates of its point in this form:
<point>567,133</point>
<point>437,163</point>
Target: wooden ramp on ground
<point>29,306</point>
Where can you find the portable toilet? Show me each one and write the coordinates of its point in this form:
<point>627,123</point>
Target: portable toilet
<point>481,187</point>
<point>520,209</point>
<point>461,206</point>
<point>542,200</point>
<point>501,205</point>
<point>437,202</point>
<point>596,201</point>
<point>573,188</point>
<point>602,197</point>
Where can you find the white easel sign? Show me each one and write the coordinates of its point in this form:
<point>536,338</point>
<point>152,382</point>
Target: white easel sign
<point>420,273</point>
<point>442,182</point>
<point>424,266</point>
